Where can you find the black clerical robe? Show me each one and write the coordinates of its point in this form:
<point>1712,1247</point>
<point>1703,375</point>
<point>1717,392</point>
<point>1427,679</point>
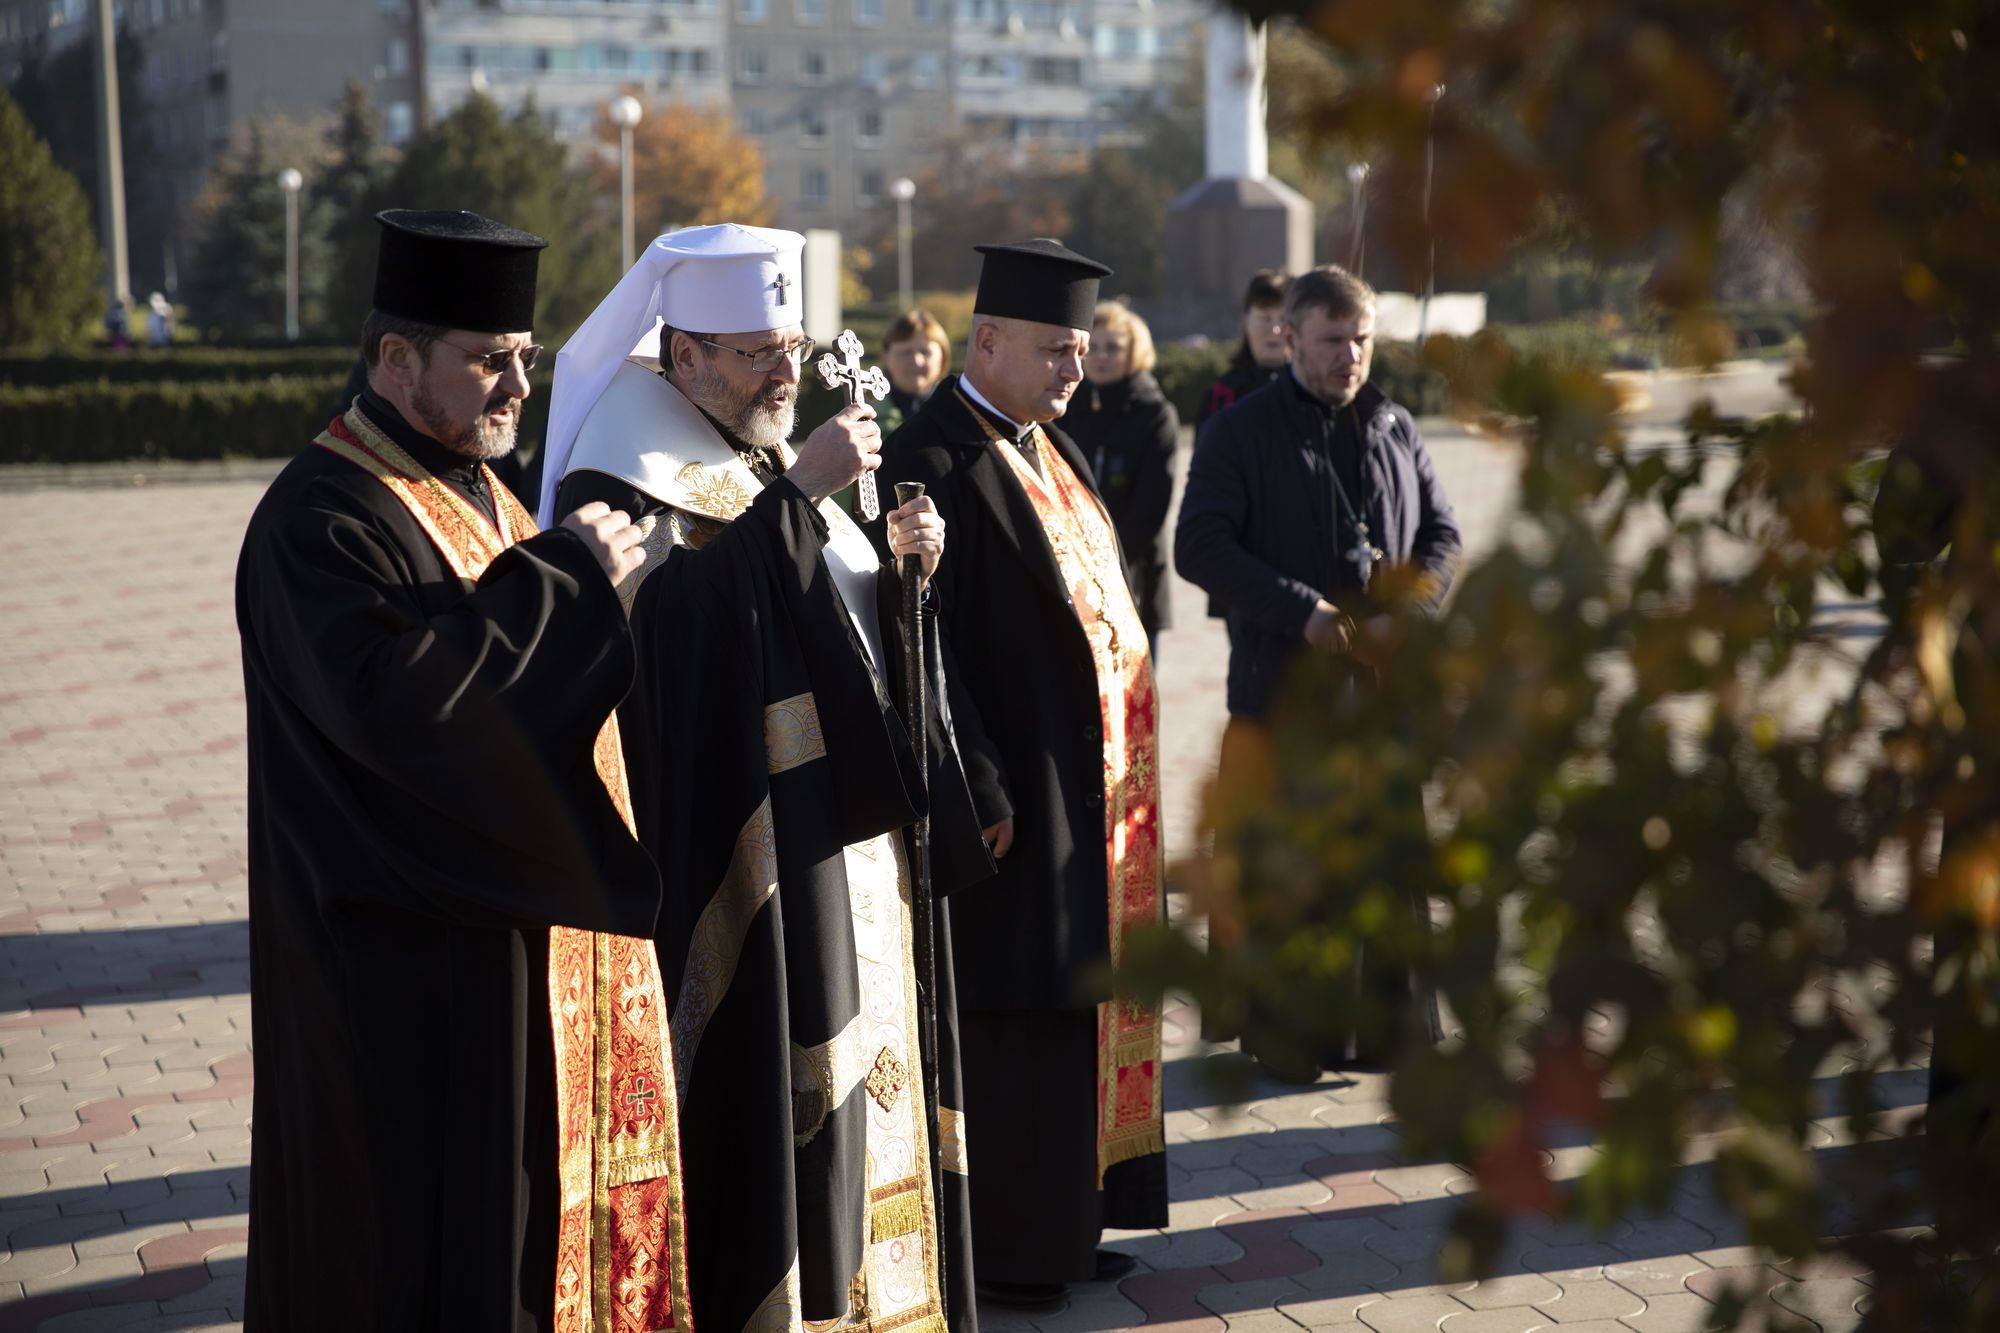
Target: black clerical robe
<point>423,806</point>
<point>765,757</point>
<point>1033,943</point>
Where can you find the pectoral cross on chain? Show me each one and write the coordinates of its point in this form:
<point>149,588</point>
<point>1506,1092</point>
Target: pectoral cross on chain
<point>1364,555</point>
<point>845,372</point>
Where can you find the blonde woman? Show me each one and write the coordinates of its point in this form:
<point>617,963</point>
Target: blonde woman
<point>1128,430</point>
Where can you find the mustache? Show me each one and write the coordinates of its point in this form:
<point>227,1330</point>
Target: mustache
<point>496,402</point>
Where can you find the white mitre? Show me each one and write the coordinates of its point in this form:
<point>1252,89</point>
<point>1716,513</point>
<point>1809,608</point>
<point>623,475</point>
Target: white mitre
<point>720,279</point>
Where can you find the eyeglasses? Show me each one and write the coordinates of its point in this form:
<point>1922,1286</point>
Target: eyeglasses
<point>499,359</point>
<point>765,359</point>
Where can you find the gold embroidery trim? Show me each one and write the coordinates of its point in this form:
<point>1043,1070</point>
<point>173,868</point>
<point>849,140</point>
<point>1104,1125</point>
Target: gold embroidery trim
<point>834,1068</point>
<point>779,1311</point>
<point>792,734</point>
<point>951,1139</point>
<point>899,1215</point>
<point>713,491</point>
<point>717,944</point>
<point>887,1079</point>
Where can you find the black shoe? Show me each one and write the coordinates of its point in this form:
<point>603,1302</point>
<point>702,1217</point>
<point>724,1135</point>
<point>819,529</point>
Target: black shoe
<point>1033,1297</point>
<point>1112,1265</point>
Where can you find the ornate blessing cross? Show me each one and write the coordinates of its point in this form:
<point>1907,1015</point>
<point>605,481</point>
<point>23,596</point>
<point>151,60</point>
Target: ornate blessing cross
<point>845,372</point>
<point>781,285</point>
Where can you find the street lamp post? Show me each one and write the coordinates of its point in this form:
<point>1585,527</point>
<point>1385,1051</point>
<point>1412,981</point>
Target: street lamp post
<point>1430,237</point>
<point>625,112</point>
<point>289,180</point>
<point>1357,249</point>
<point>903,190</point>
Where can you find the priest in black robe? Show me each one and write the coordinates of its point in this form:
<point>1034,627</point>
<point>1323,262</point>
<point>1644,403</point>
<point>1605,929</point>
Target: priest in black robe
<point>774,781</point>
<point>1053,704</point>
<point>428,688</point>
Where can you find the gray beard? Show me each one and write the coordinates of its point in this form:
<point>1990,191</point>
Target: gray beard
<point>749,418</point>
<point>473,439</point>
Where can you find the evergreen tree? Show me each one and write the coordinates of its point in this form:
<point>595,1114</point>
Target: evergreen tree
<point>57,91</point>
<point>236,286</point>
<point>360,161</point>
<point>50,264</point>
<point>512,168</point>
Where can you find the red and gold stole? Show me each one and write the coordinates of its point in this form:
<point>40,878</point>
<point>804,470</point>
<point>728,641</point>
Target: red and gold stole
<point>1130,1121</point>
<point>621,1266</point>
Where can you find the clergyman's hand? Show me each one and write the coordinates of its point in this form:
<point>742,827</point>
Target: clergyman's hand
<point>611,536</point>
<point>918,529</point>
<point>1000,837</point>
<point>1328,629</point>
<point>847,444</point>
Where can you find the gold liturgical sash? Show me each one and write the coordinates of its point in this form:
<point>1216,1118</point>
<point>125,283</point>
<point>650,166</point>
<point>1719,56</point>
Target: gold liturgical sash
<point>620,1260</point>
<point>1130,1119</point>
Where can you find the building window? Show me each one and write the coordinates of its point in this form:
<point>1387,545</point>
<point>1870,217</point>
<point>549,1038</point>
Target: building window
<point>398,122</point>
<point>871,69</point>
<point>812,191</point>
<point>871,187</point>
<point>399,56</point>
<point>754,121</point>
<point>868,11</point>
<point>812,65</point>
<point>869,130</point>
<point>753,11</point>
<point>811,11</point>
<point>1055,70</point>
<point>926,69</point>
<point>812,125</point>
<point>929,11</point>
<point>752,63</point>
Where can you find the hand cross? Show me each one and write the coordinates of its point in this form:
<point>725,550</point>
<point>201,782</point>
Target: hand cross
<point>845,372</point>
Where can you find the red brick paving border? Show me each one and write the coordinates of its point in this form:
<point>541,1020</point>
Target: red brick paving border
<point>175,1266</point>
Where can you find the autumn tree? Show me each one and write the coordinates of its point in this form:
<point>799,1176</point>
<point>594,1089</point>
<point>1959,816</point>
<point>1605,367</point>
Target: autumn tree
<point>690,167</point>
<point>1677,907</point>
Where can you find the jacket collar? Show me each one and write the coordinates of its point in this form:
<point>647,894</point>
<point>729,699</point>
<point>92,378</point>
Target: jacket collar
<point>996,488</point>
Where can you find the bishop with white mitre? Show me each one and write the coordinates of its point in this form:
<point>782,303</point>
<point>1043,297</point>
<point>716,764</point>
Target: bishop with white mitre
<point>773,780</point>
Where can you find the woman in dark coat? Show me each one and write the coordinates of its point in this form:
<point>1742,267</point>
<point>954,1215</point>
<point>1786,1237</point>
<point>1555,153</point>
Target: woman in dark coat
<point>1128,430</point>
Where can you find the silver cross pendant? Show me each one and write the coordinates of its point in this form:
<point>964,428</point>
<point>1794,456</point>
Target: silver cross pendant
<point>845,372</point>
<point>1364,555</point>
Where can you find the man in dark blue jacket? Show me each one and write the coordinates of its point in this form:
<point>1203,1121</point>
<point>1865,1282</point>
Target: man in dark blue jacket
<point>1300,495</point>
<point>1302,491</point>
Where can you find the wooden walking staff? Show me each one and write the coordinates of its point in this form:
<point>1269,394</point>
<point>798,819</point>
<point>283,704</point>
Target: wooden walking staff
<point>916,713</point>
<point>845,372</point>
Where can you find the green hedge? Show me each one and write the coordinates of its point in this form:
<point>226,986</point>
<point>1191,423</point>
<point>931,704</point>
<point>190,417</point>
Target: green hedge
<point>104,422</point>
<point>181,364</point>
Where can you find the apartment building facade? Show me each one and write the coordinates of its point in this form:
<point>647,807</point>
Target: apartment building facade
<point>841,96</point>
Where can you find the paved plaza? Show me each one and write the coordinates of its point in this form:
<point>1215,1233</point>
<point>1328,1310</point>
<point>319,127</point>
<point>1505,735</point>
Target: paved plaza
<point>124,1004</point>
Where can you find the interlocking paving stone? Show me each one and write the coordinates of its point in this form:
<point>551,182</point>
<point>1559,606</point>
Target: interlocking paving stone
<point>1412,1314</point>
<point>1583,1301</point>
<point>1500,1292</point>
<point>1524,1320</point>
<point>1655,1275</point>
<point>1673,1312</point>
<point>124,1021</point>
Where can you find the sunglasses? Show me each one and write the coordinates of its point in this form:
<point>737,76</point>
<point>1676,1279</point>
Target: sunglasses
<point>765,359</point>
<point>496,361</point>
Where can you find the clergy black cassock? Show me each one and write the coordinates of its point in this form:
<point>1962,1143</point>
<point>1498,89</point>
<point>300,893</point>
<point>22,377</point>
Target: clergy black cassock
<point>423,807</point>
<point>1032,945</point>
<point>735,622</point>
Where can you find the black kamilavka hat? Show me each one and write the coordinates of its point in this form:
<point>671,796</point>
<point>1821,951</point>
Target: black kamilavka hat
<point>456,270</point>
<point>1040,280</point>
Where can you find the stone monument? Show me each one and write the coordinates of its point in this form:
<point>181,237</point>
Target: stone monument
<point>1237,219</point>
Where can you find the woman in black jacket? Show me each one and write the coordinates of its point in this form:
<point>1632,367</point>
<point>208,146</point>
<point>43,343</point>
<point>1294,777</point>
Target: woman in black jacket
<point>1128,430</point>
